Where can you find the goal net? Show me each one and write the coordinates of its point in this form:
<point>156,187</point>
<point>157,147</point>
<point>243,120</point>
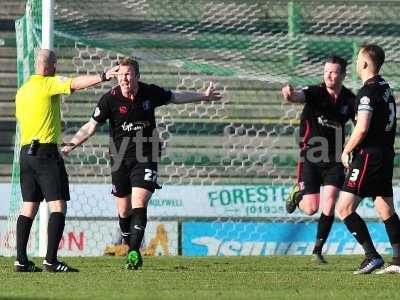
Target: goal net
<point>226,166</point>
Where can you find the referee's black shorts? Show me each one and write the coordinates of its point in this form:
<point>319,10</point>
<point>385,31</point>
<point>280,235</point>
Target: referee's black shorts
<point>370,173</point>
<point>43,176</point>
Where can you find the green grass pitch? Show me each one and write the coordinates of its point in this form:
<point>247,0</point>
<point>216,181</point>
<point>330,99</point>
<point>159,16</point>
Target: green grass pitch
<point>211,278</point>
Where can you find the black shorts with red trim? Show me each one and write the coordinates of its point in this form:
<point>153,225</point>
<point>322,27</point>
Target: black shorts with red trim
<point>370,173</point>
<point>312,175</point>
<point>129,173</point>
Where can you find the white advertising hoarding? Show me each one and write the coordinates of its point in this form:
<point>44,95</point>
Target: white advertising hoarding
<point>90,238</point>
<point>242,201</point>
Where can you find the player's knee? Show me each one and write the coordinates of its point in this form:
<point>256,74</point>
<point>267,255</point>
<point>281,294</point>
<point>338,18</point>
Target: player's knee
<point>384,207</point>
<point>58,206</point>
<point>385,214</point>
<point>124,213</point>
<point>328,207</point>
<point>309,206</point>
<point>29,209</point>
<point>124,206</point>
<point>330,202</point>
<point>343,211</point>
<point>310,210</point>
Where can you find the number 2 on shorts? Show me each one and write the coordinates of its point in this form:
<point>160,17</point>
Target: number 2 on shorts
<point>150,175</point>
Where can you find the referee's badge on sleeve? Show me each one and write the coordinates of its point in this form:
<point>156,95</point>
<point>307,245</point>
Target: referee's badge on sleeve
<point>62,78</point>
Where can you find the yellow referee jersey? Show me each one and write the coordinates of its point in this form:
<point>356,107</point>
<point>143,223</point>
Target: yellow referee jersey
<point>38,108</point>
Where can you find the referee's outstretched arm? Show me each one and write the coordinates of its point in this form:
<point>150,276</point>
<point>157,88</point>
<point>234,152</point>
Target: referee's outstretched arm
<point>45,65</point>
<point>85,81</point>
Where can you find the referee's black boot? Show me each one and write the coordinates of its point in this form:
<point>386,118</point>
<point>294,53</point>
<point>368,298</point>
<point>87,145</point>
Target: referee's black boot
<point>28,267</point>
<point>58,267</point>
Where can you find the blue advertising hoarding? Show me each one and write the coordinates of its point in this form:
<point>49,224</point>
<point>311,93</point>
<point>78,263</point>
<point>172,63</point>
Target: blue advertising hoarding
<point>273,238</point>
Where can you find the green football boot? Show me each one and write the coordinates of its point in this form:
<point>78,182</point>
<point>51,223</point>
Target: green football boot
<point>134,260</point>
<point>293,200</point>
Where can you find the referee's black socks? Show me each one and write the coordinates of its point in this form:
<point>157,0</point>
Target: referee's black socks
<point>392,226</point>
<point>24,225</point>
<point>54,234</point>
<point>138,226</point>
<point>359,230</point>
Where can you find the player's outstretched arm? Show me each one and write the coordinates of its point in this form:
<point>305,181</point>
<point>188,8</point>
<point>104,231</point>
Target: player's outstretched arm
<point>85,81</point>
<point>181,97</point>
<point>80,137</point>
<point>291,95</point>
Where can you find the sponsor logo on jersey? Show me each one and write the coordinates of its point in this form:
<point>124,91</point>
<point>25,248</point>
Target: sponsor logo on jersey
<point>136,126</point>
<point>325,122</point>
<point>123,109</point>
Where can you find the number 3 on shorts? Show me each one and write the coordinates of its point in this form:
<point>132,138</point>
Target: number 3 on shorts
<point>150,175</point>
<point>354,175</point>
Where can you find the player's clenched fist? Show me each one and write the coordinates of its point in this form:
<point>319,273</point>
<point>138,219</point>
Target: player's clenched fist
<point>287,92</point>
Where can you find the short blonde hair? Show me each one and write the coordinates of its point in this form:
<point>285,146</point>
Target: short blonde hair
<point>128,61</point>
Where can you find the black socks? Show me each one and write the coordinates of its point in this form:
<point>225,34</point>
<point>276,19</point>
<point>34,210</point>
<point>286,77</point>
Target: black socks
<point>54,234</point>
<point>24,225</point>
<point>392,226</point>
<point>324,227</point>
<point>359,230</point>
<point>138,226</point>
<point>125,225</point>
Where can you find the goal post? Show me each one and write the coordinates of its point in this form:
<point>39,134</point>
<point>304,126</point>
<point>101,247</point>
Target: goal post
<point>47,43</point>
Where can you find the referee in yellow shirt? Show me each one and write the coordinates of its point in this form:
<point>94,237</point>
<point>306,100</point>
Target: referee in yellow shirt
<point>42,170</point>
